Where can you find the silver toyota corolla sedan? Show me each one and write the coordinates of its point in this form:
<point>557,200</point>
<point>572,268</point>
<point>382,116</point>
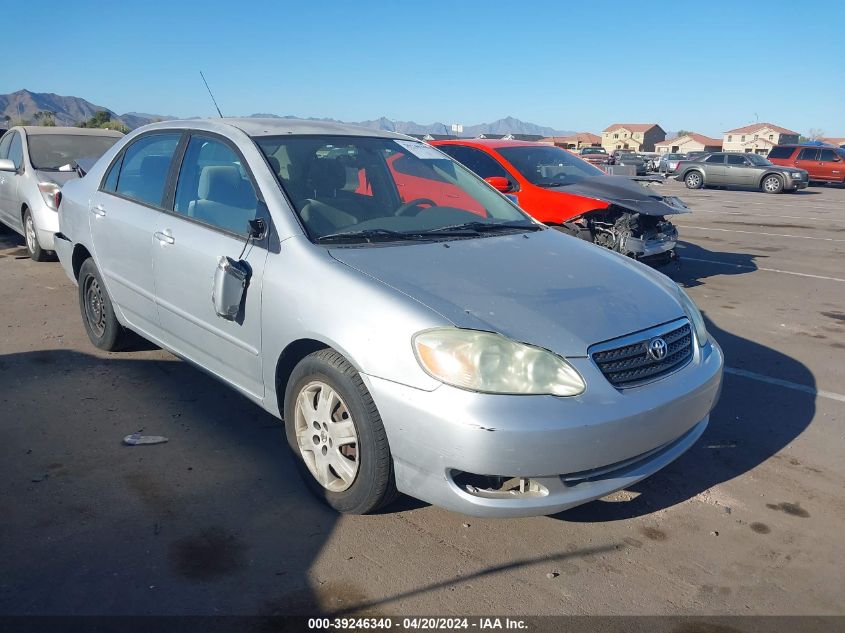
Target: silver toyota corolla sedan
<point>413,328</point>
<point>34,164</point>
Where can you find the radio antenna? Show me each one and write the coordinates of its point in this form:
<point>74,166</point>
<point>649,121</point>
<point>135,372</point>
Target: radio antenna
<point>211,95</point>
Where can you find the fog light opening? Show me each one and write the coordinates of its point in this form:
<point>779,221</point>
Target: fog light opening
<point>498,486</point>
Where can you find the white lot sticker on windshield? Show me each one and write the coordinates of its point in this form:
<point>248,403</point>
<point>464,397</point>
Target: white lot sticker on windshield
<point>421,150</point>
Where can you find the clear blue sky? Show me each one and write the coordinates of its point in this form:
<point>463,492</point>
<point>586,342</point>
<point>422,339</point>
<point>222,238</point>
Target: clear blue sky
<point>459,61</point>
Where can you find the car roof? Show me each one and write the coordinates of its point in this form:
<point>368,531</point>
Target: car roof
<point>255,126</point>
<point>44,130</point>
<point>492,143</point>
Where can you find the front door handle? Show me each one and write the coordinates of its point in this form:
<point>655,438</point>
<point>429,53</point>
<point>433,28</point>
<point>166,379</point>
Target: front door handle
<point>98,210</point>
<point>165,237</point>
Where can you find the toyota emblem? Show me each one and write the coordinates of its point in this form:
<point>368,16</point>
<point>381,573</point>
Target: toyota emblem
<point>657,348</point>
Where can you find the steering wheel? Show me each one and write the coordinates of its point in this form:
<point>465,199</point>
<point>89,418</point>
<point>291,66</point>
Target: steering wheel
<point>404,209</point>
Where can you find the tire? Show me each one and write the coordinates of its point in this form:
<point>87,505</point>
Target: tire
<point>772,184</point>
<point>358,473</point>
<point>36,253</point>
<point>98,316</point>
<point>694,180</point>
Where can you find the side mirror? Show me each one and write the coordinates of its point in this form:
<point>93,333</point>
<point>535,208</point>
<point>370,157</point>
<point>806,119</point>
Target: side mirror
<point>499,183</point>
<point>7,165</point>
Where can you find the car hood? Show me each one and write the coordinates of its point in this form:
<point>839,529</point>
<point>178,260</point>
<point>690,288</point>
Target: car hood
<point>544,288</point>
<point>626,193</point>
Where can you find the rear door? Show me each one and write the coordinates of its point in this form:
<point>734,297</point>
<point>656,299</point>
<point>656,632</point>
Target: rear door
<point>214,199</point>
<point>122,217</point>
<point>830,165</point>
<point>808,160</point>
<point>714,170</point>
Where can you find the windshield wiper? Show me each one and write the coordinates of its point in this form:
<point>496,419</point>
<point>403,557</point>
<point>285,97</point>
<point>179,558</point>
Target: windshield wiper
<point>484,227</point>
<point>368,235</point>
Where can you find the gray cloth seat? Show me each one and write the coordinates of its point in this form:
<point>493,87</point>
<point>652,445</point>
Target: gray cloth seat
<point>224,199</point>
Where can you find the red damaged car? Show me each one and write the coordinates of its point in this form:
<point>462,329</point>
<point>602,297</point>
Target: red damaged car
<point>561,190</point>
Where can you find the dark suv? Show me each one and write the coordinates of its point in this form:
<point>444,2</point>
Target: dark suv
<point>823,163</point>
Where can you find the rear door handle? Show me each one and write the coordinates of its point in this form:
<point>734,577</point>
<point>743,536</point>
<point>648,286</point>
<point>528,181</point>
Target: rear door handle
<point>165,237</point>
<point>98,210</point>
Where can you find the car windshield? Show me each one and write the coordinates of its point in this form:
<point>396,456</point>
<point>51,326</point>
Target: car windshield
<point>51,151</point>
<point>547,166</point>
<point>354,190</point>
<point>756,159</point>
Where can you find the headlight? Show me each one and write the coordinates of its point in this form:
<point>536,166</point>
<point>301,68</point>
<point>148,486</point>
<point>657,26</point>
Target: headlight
<point>51,192</point>
<point>797,174</point>
<point>694,315</point>
<point>491,363</point>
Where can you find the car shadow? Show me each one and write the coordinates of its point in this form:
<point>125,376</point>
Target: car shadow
<point>751,423</point>
<point>9,241</point>
<point>215,521</point>
<point>696,263</point>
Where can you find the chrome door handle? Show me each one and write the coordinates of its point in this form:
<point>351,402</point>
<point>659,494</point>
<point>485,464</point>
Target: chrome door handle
<point>98,210</point>
<point>164,237</point>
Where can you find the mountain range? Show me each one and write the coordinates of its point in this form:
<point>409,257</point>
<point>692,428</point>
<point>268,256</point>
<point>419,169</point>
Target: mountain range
<point>24,105</point>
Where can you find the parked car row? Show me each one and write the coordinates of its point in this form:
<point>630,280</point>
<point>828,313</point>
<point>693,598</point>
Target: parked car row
<point>744,170</point>
<point>415,330</point>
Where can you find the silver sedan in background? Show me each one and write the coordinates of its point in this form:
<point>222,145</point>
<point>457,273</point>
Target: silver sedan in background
<point>34,164</point>
<point>415,330</point>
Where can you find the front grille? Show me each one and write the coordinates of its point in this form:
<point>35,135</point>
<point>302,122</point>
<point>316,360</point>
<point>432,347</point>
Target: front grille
<point>630,364</point>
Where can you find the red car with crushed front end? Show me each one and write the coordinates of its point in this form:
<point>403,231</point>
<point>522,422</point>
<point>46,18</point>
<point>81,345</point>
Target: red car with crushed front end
<point>560,189</point>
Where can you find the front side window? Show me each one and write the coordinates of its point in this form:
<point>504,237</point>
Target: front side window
<point>144,169</point>
<point>360,189</point>
<point>808,153</point>
<point>548,166</point>
<point>214,187</point>
<point>48,152</point>
<point>16,150</point>
<point>827,155</point>
<point>715,158</point>
<point>735,159</point>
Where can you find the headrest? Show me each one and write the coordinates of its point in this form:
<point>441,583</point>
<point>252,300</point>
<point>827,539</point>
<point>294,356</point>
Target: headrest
<point>220,183</point>
<point>326,176</point>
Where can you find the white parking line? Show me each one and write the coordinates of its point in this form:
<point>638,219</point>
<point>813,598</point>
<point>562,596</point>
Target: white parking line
<point>789,202</point>
<point>770,215</point>
<point>799,237</point>
<point>771,270</point>
<point>785,383</point>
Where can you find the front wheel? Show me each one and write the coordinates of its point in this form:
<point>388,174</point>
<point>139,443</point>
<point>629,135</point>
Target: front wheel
<point>33,247</point>
<point>335,430</point>
<point>694,180</point>
<point>772,184</point>
<point>98,316</point>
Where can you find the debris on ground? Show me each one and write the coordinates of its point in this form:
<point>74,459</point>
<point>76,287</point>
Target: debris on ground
<point>135,439</point>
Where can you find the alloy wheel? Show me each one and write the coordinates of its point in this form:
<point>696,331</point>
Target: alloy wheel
<point>326,436</point>
<point>772,183</point>
<point>29,234</point>
<point>693,180</point>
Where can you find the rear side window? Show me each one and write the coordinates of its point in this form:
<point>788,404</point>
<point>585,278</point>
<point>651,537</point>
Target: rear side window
<point>808,154</point>
<point>144,169</point>
<point>214,187</point>
<point>781,152</point>
<point>736,159</point>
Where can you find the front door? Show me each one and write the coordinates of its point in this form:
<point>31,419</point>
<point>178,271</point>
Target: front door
<point>12,149</point>
<point>831,165</point>
<point>122,217</point>
<point>214,200</point>
<point>738,171</point>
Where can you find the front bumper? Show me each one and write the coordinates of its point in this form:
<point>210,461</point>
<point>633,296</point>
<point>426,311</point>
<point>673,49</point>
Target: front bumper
<point>569,450</point>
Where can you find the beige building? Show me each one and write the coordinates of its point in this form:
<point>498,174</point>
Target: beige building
<point>576,141</point>
<point>691,142</point>
<point>638,137</point>
<point>758,138</point>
